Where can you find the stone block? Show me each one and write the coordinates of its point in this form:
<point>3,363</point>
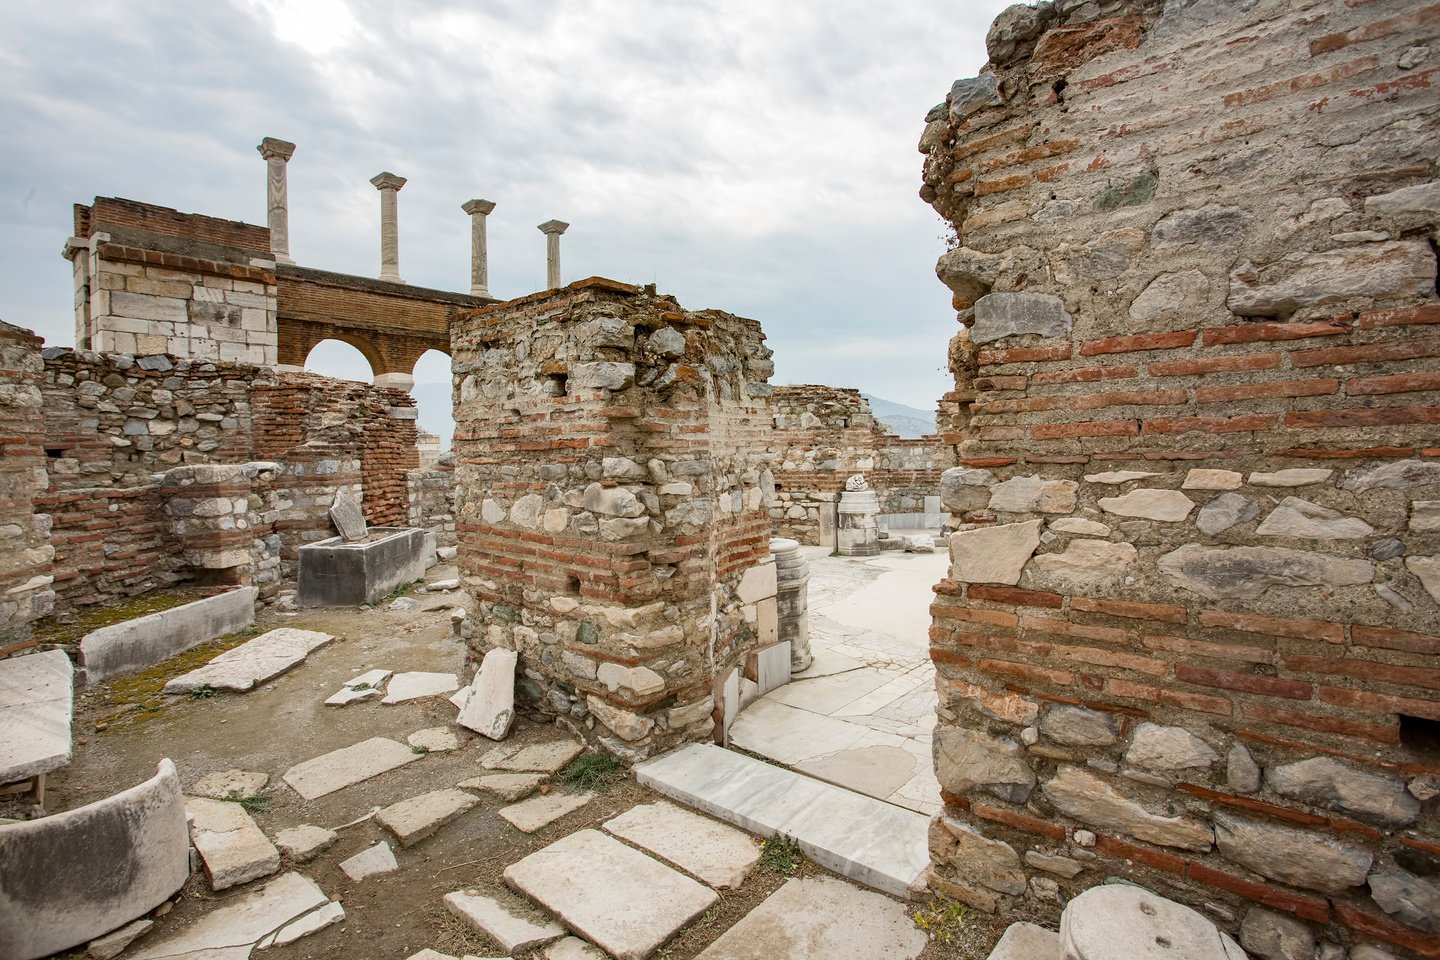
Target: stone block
<point>1000,315</point>
<point>490,709</point>
<point>415,819</point>
<point>333,573</point>
<point>513,927</point>
<point>36,702</point>
<point>141,643</point>
<point>995,554</point>
<point>1293,855</point>
<point>232,847</point>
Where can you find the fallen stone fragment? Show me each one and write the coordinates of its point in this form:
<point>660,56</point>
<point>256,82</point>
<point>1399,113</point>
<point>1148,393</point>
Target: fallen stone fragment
<point>490,708</point>
<point>415,819</point>
<point>404,605</point>
<point>305,842</point>
<point>718,854</point>
<point>240,669</point>
<point>363,687</point>
<point>313,922</point>
<point>433,740</point>
<point>540,757</point>
<point>413,686</point>
<point>440,586</point>
<point>227,931</point>
<point>530,815</point>
<point>506,786</point>
<point>113,944</point>
<point>514,929</point>
<point>349,765</point>
<point>232,847</point>
<point>918,543</point>
<point>230,785</point>
<point>370,861</point>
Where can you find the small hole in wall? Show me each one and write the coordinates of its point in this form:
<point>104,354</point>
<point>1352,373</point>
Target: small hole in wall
<point>558,385</point>
<point>1059,89</point>
<point>54,453</point>
<point>1421,736</point>
<point>572,585</point>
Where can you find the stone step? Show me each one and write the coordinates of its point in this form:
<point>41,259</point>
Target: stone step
<point>1027,941</point>
<point>867,840</point>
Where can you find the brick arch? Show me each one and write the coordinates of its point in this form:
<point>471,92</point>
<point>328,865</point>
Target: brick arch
<point>367,348</point>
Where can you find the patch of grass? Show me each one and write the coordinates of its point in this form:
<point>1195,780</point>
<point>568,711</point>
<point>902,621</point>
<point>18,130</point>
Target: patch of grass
<point>592,770</point>
<point>203,692</point>
<point>419,748</point>
<point>363,686</point>
<point>781,854</point>
<point>941,919</point>
<point>255,803</point>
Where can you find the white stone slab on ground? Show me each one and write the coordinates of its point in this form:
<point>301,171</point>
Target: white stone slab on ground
<point>611,894</point>
<point>370,861</point>
<point>819,919</point>
<point>113,944</point>
<point>718,854</point>
<point>313,922</point>
<point>414,685</point>
<point>1027,941</point>
<point>530,815</point>
<point>538,757</point>
<point>514,926</point>
<point>415,819</point>
<point>434,740</point>
<point>230,785</point>
<point>572,948</point>
<point>305,842</point>
<point>233,848</point>
<point>790,735</point>
<point>253,662</point>
<point>36,693</point>
<point>490,708</point>
<point>363,687</point>
<point>339,769</point>
<point>506,786</point>
<point>872,842</point>
<point>240,922</point>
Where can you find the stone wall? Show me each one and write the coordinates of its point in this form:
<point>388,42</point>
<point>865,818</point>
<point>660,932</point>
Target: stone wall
<point>1191,633</point>
<point>432,502</point>
<point>824,435</point>
<point>25,554</point>
<point>612,518</point>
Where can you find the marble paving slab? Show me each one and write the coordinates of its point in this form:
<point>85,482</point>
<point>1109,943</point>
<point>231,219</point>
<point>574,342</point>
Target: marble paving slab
<point>415,685</point>
<point>230,928</point>
<point>253,662</point>
<point>36,696</point>
<point>341,768</point>
<point>718,854</point>
<point>828,694</point>
<point>870,841</point>
<point>530,815</point>
<point>790,735</point>
<point>612,895</point>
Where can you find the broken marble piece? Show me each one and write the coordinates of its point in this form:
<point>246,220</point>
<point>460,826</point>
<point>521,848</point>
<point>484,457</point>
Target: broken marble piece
<point>506,786</point>
<point>404,605</point>
<point>490,708</point>
<point>230,929</point>
<point>232,847</point>
<point>512,925</point>
<point>572,948</point>
<point>433,740</point>
<point>415,819</point>
<point>305,842</point>
<point>363,687</point>
<point>370,861</point>
<point>718,854</point>
<point>441,586</point>
<point>313,922</point>
<point>339,769</point>
<point>530,815</point>
<point>348,518</point>
<point>230,785</point>
<point>548,757</point>
<point>113,944</point>
<point>415,685</point>
<point>242,668</point>
<point>995,554</point>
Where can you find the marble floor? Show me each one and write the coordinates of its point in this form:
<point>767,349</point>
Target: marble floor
<point>862,715</point>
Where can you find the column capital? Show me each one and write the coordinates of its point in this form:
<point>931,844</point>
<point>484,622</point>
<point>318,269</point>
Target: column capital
<point>387,181</point>
<point>555,227</point>
<point>482,207</point>
<point>271,148</point>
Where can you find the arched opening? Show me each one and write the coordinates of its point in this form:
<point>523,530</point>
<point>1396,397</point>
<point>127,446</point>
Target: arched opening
<point>432,395</point>
<point>338,359</point>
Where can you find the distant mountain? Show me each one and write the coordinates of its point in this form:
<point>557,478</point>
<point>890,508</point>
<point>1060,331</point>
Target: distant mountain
<point>907,422</point>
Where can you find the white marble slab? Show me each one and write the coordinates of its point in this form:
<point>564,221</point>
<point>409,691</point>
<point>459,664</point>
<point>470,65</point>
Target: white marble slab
<point>339,769</point>
<point>253,662</point>
<point>829,694</point>
<point>718,854</point>
<point>236,923</point>
<point>36,696</point>
<point>414,685</point>
<point>789,734</point>
<point>872,842</point>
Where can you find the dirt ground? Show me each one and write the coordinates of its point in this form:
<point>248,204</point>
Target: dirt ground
<point>125,727</point>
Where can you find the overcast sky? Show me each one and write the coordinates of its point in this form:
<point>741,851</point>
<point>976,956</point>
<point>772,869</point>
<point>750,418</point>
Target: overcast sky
<point>750,155</point>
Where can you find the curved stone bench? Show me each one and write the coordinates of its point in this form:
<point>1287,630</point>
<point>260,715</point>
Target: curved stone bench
<point>68,878</point>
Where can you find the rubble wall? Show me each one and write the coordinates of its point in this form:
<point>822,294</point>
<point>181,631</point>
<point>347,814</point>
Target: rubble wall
<point>432,499</point>
<point>612,513</point>
<point>823,435</point>
<point>1191,632</point>
<point>25,553</point>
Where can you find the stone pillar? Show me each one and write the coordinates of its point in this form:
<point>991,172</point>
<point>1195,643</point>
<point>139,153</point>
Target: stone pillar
<point>792,574</point>
<point>277,154</point>
<point>479,258</point>
<point>552,230</point>
<point>857,526</point>
<point>389,186</point>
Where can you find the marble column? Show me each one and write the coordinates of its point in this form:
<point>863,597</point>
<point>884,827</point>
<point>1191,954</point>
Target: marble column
<point>389,186</point>
<point>552,230</point>
<point>277,154</point>
<point>479,257</point>
<point>792,578</point>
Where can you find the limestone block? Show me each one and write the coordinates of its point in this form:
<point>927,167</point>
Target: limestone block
<point>305,842</point>
<point>610,501</point>
<point>370,861</point>
<point>642,681</point>
<point>415,819</point>
<point>1276,936</point>
<point>1226,511</point>
<point>525,512</point>
<point>1084,564</point>
<point>1395,475</point>
<point>1203,479</point>
<point>231,845</point>
<point>602,375</point>
<point>967,760</point>
<point>963,489</point>
<point>1339,786</point>
<point>1026,494</point>
<point>1168,748</point>
<point>1295,517</point>
<point>1084,796</point>
<point>1299,857</point>
<point>1000,315</point>
<point>626,725</point>
<point>1394,269</point>
<point>1169,506</point>
<point>1079,727</point>
<point>506,786</point>
<point>490,709</point>
<point>530,815</point>
<point>1172,294</point>
<point>994,554</point>
<point>757,583</point>
<point>1244,573</point>
<point>990,863</point>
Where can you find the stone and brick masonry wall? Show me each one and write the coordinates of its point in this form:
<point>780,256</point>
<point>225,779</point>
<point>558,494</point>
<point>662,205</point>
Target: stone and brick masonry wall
<point>824,435</point>
<point>1191,633</point>
<point>612,515</point>
<point>432,501</point>
<point>25,553</point>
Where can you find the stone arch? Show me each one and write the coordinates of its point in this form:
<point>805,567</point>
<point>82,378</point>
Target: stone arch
<point>357,345</point>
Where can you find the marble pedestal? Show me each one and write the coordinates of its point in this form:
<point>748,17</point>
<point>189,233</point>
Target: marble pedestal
<point>792,576</point>
<point>857,526</point>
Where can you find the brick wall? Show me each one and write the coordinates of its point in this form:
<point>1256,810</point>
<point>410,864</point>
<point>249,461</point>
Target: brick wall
<point>612,475</point>
<point>111,213</point>
<point>25,553</point>
<point>1191,633</point>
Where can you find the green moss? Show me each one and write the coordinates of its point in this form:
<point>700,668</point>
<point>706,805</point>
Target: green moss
<point>71,627</point>
<point>1137,191</point>
<point>137,697</point>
